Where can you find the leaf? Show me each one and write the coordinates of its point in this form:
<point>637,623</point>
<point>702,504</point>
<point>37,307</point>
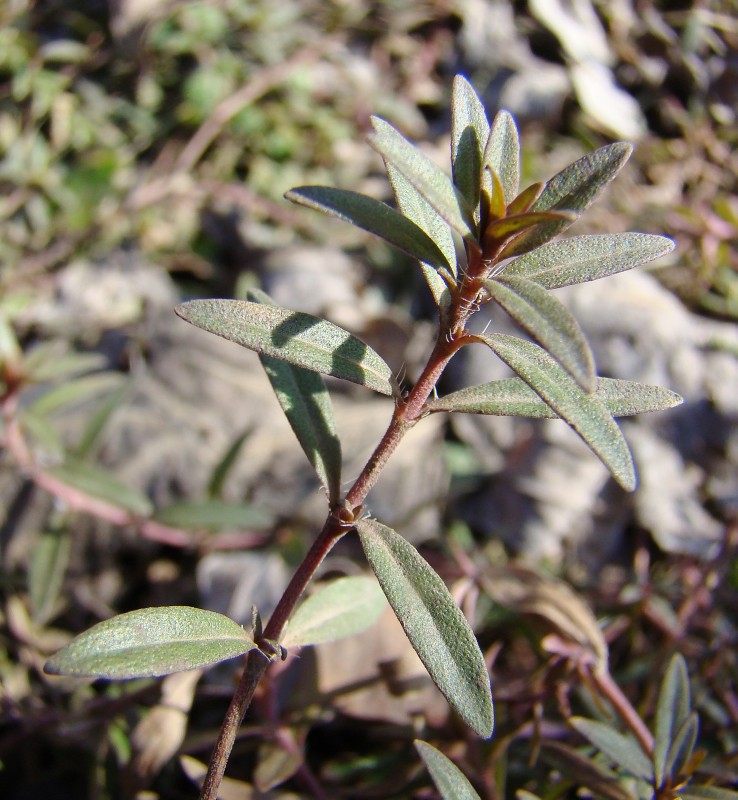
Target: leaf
<point>373,216</point>
<point>448,778</point>
<point>584,412</point>
<point>213,515</point>
<point>516,223</point>
<point>277,761</point>
<point>338,609</point>
<point>682,745</point>
<point>99,418</point>
<point>93,480</point>
<point>436,628</point>
<point>707,793</point>
<point>512,397</point>
<point>502,153</point>
<point>48,564</point>
<point>300,339</point>
<point>424,175</point>
<point>673,709</point>
<point>76,392</point>
<point>620,749</point>
<point>573,189</point>
<point>151,642</point>
<point>223,468</point>
<point>47,363</point>
<point>581,770</point>
<point>586,258</point>
<point>469,134</point>
<point>307,406</point>
<point>549,322</point>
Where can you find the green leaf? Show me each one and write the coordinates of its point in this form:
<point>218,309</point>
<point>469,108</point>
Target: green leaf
<point>469,134</point>
<point>549,322</point>
<point>512,397</point>
<point>448,778</point>
<point>223,468</point>
<point>48,564</point>
<point>583,771</point>
<point>300,339</point>
<point>307,406</point>
<point>514,224</point>
<point>586,258</point>
<point>672,710</point>
<point>47,363</point>
<point>436,628</point>
<point>213,515</point>
<point>502,153</point>
<point>340,608</point>
<point>75,392</point>
<point>707,793</point>
<point>424,175</point>
<point>151,642</point>
<point>620,749</point>
<point>587,415</point>
<point>373,216</point>
<point>94,481</point>
<point>575,188</point>
<point>682,745</point>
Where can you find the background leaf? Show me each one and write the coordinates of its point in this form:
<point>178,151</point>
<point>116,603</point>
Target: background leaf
<point>448,778</point>
<point>300,339</point>
<point>584,412</point>
<point>213,515</point>
<point>151,642</point>
<point>623,751</point>
<point>673,708</point>
<point>436,628</point>
<point>340,608</point>
<point>586,258</point>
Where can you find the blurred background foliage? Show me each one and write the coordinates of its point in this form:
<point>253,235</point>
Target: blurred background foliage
<point>164,133</point>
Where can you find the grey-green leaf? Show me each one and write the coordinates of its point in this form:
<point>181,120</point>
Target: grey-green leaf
<point>707,793</point>
<point>549,322</point>
<point>424,175</point>
<point>575,188</point>
<point>512,397</point>
<point>620,749</point>
<point>450,781</point>
<point>672,710</point>
<point>682,745</point>
<point>436,628</point>
<point>469,134</point>
<point>373,216</point>
<point>213,515</point>
<point>502,153</point>
<point>586,258</point>
<point>340,608</point>
<point>300,339</point>
<point>151,642</point>
<point>584,412</point>
<point>49,559</point>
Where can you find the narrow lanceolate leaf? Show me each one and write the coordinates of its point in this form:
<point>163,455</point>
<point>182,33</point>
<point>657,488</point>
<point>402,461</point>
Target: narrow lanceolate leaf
<point>436,628</point>
<point>308,408</point>
<point>341,608</point>
<point>620,749</point>
<point>300,339</point>
<point>213,515</point>
<point>673,708</point>
<point>151,642</point>
<point>512,225</point>
<point>469,134</point>
<point>373,216</point>
<point>682,746</point>
<point>502,153</point>
<point>586,258</point>
<point>707,793</point>
<point>48,564</point>
<point>549,322</point>
<point>574,189</point>
<point>424,175</point>
<point>448,778</point>
<point>584,771</point>
<point>587,415</point>
<point>512,397</point>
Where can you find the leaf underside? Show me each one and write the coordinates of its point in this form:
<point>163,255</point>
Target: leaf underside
<point>292,336</point>
<point>436,628</point>
<point>448,778</point>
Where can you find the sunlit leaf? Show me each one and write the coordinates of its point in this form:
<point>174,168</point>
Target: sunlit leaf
<point>586,258</point>
<point>574,189</point>
<point>448,778</point>
<point>549,322</point>
<point>373,216</point>
<point>436,628</point>
<point>424,175</point>
<point>512,397</point>
<point>341,608</point>
<point>151,642</point>
<point>507,226</point>
<point>621,750</point>
<point>308,408</point>
<point>213,515</point>
<point>502,153</point>
<point>94,481</point>
<point>300,339</point>
<point>469,134</point>
<point>672,711</point>
<point>584,412</point>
